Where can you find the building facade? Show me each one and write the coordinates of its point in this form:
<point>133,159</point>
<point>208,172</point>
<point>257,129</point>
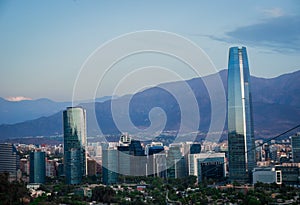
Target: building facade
<point>51,170</point>
<point>37,167</point>
<point>150,151</point>
<point>124,160</point>
<point>175,162</point>
<point>207,166</point>
<point>160,165</point>
<point>190,148</point>
<point>267,175</point>
<point>91,167</point>
<point>9,160</point>
<point>137,159</point>
<point>296,147</point>
<point>74,123</point>
<point>290,173</point>
<point>110,166</point>
<point>241,147</point>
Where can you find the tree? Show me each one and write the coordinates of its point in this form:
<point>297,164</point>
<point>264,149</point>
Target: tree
<point>103,194</point>
<point>251,200</point>
<point>12,192</point>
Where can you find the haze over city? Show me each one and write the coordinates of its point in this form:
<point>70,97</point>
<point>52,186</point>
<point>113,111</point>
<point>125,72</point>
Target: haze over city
<point>45,43</point>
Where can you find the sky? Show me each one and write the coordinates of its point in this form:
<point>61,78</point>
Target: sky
<point>45,44</point>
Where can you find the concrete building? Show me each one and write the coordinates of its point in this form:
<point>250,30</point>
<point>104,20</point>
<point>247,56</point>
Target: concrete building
<point>9,160</point>
<point>267,175</point>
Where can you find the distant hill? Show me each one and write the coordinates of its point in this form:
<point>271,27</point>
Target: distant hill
<point>276,107</point>
<point>12,112</point>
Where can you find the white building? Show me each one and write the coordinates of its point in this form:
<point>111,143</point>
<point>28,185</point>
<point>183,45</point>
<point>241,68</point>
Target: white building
<point>207,165</point>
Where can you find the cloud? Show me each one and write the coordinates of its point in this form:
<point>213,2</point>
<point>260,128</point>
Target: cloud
<point>273,12</point>
<point>17,98</point>
<point>281,34</point>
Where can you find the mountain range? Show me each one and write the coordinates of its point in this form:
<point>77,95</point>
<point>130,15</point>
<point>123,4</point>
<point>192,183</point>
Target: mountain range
<point>276,108</point>
<point>12,112</point>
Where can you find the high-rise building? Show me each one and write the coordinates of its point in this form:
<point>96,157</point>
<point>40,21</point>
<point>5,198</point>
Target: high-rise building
<point>241,147</point>
<point>273,153</point>
<point>37,167</point>
<point>110,166</point>
<point>137,159</point>
<point>190,148</point>
<point>296,147</point>
<point>175,162</point>
<point>91,167</point>
<point>124,160</point>
<point>24,166</point>
<point>9,160</point>
<point>131,157</point>
<point>160,165</point>
<point>74,119</point>
<point>150,151</point>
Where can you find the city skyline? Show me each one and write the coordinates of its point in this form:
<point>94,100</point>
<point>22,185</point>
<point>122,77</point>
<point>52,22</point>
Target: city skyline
<point>150,102</point>
<point>46,43</point>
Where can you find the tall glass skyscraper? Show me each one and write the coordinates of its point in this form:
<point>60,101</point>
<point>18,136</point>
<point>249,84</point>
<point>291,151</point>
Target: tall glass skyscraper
<point>37,167</point>
<point>110,166</point>
<point>74,119</point>
<point>241,147</point>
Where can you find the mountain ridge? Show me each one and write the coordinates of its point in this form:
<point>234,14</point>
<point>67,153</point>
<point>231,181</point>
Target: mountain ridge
<point>275,108</point>
<point>12,112</point>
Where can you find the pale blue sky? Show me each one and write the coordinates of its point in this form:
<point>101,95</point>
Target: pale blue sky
<point>44,43</point>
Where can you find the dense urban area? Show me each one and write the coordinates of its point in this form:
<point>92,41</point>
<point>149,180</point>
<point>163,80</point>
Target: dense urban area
<point>165,187</point>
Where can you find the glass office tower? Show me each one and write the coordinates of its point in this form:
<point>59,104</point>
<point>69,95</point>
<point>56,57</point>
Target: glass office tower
<point>175,162</point>
<point>241,147</point>
<point>37,167</point>
<point>110,166</point>
<point>137,159</point>
<point>74,119</point>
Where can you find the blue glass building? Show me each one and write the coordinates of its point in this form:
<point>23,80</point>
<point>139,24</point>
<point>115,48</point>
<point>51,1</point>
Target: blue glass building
<point>37,167</point>
<point>124,160</point>
<point>175,162</point>
<point>241,147</point>
<point>137,159</point>
<point>74,119</point>
<point>110,166</point>
<point>155,150</point>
